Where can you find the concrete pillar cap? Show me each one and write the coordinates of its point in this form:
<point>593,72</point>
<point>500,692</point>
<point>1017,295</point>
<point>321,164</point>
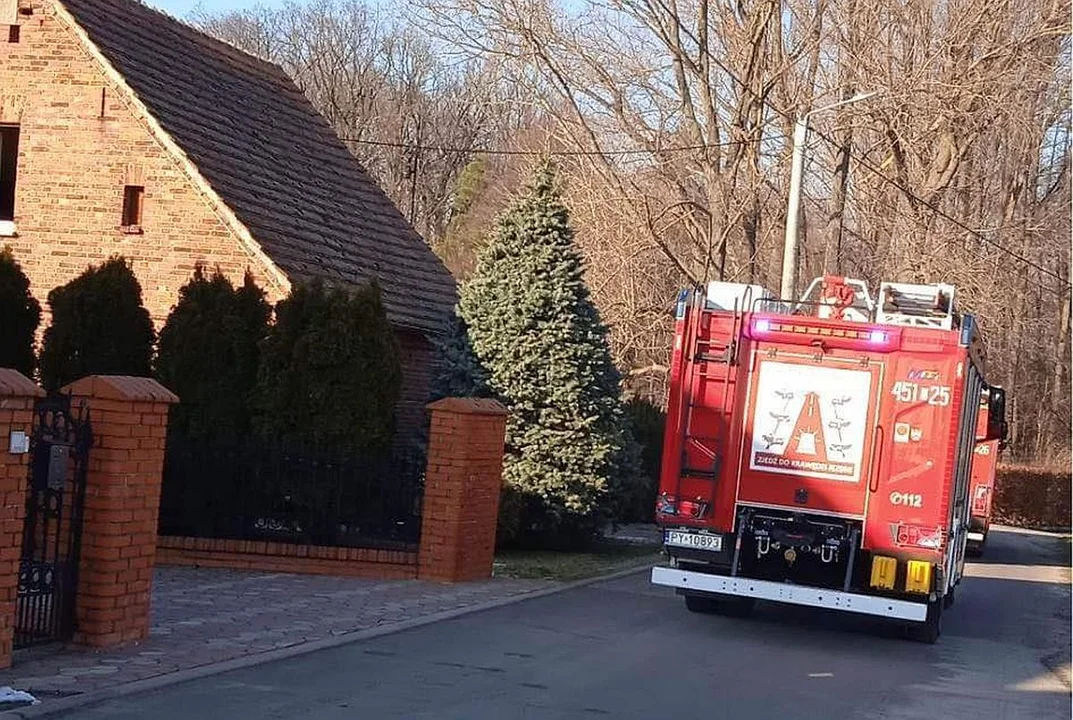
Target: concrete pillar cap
<point>15,384</point>
<point>122,387</point>
<point>469,406</point>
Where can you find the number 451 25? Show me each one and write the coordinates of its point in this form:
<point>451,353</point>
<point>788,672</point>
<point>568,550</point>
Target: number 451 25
<point>910,392</point>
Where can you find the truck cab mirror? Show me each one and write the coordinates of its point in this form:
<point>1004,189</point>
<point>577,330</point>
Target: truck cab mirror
<point>996,414</point>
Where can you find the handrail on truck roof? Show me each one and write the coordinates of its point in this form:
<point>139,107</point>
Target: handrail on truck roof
<point>848,299</point>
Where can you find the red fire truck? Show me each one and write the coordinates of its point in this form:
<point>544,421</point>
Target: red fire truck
<point>819,452</point>
<point>984,464</point>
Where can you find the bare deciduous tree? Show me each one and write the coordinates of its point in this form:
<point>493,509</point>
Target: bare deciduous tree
<point>407,112</point>
<point>673,117</point>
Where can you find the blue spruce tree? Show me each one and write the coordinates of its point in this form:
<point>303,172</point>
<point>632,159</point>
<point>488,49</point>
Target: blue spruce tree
<point>537,334</point>
<point>458,372</point>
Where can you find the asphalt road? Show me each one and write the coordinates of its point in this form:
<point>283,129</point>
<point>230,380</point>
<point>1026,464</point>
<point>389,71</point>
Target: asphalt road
<point>625,649</point>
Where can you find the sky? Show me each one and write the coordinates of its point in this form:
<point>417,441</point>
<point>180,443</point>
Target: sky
<point>183,8</point>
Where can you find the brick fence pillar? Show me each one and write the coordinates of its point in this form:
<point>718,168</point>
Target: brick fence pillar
<point>17,395</point>
<point>462,484</point>
<point>129,416</point>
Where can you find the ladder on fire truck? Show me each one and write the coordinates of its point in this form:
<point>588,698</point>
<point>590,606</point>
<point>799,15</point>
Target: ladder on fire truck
<point>918,305</point>
<point>700,354</point>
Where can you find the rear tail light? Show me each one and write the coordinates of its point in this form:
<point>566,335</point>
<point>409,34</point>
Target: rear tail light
<point>695,509</point>
<point>920,536</point>
<point>667,504</point>
<point>979,500</point>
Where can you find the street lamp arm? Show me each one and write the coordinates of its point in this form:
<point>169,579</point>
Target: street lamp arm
<point>856,98</point>
<point>793,202</point>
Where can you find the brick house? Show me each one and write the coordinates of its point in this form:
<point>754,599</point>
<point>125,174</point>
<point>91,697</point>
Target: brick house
<point>124,131</point>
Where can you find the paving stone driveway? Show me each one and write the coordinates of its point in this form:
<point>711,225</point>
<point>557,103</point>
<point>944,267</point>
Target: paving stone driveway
<point>203,616</point>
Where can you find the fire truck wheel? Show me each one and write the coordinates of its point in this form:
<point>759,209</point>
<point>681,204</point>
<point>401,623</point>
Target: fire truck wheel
<point>737,607</point>
<point>701,604</point>
<point>720,605</point>
<point>974,549</point>
<point>932,627</point>
<point>950,597</point>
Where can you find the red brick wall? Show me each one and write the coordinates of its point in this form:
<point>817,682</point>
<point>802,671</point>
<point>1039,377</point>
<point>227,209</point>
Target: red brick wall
<point>73,165</point>
<point>462,485</point>
<point>130,419</point>
<point>284,557</point>
<point>16,413</point>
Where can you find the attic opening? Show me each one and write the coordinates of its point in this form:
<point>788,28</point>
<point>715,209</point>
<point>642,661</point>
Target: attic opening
<point>9,160</point>
<point>132,207</point>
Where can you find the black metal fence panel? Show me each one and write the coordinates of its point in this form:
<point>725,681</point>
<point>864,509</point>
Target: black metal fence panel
<point>60,443</point>
<point>256,491</point>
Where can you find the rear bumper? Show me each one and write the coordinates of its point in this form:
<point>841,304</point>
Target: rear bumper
<point>790,594</point>
<point>976,536</point>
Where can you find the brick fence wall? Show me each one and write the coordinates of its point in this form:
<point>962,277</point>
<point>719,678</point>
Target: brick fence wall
<point>286,557</point>
<point>120,544</point>
<point>129,417</point>
<point>462,486</point>
<point>459,512</point>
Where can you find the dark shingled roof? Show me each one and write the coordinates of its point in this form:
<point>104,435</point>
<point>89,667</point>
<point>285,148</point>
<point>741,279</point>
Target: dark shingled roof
<point>272,158</point>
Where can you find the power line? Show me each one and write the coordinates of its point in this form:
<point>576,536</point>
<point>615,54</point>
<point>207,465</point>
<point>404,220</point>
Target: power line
<point>972,231</point>
<point>557,153</point>
<point>908,193</point>
<point>950,218</point>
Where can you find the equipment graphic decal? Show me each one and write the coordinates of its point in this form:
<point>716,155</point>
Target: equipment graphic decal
<point>810,421</point>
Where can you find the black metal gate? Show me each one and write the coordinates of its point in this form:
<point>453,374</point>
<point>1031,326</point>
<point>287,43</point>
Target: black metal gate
<point>48,574</point>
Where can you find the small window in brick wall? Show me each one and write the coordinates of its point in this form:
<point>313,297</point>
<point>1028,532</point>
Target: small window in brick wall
<point>9,160</point>
<point>132,208</point>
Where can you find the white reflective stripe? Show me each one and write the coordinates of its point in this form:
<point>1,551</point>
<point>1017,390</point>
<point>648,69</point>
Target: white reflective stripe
<point>976,536</point>
<point>790,594</point>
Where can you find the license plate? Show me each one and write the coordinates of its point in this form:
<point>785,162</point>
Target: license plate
<point>699,541</point>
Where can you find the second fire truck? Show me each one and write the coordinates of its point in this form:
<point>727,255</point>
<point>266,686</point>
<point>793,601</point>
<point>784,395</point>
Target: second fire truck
<point>984,466</point>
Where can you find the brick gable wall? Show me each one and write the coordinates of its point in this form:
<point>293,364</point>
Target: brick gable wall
<point>74,164</point>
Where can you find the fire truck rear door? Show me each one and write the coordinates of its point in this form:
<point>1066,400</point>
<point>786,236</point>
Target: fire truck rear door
<point>810,431</point>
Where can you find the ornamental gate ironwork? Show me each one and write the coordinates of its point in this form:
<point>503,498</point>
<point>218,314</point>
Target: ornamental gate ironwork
<point>60,441</point>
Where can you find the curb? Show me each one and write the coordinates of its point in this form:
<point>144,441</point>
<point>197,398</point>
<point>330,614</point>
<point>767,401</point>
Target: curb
<point>51,708</point>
